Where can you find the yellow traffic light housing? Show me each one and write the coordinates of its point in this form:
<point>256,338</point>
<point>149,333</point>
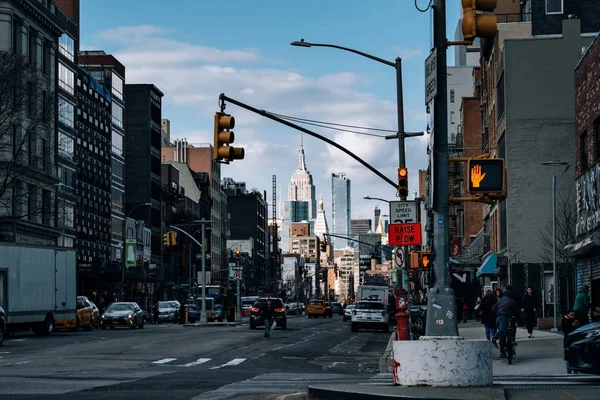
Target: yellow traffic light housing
<point>478,25</point>
<point>487,176</point>
<point>403,182</point>
<point>167,239</point>
<point>414,260</point>
<point>173,238</point>
<point>224,137</point>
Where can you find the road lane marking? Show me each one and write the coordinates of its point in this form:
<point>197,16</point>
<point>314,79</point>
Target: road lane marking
<point>235,361</point>
<point>164,361</point>
<point>295,358</point>
<point>197,362</point>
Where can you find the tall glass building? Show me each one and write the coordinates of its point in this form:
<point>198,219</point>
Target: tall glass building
<point>341,210</point>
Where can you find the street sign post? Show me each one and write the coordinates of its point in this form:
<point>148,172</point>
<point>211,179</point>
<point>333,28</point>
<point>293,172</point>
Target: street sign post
<point>431,76</point>
<point>405,234</point>
<point>237,275</point>
<point>403,212</point>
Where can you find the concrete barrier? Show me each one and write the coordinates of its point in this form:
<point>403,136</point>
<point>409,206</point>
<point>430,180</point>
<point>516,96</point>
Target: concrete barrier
<point>442,362</point>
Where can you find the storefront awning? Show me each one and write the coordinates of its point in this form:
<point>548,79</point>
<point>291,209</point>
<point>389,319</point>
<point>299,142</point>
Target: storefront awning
<point>488,267</point>
<point>584,245</point>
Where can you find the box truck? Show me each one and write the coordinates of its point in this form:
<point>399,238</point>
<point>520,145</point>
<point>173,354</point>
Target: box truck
<point>37,287</point>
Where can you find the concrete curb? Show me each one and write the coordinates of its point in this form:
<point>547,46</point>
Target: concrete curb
<point>385,362</point>
<point>376,392</point>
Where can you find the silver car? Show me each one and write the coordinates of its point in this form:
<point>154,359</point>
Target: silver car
<point>168,310</point>
<point>348,312</point>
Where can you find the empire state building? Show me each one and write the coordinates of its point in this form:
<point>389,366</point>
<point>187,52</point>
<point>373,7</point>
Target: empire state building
<point>301,186</point>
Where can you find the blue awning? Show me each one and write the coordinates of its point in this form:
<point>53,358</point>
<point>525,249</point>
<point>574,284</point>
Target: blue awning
<point>488,267</point>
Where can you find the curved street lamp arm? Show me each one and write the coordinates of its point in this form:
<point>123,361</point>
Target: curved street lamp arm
<point>266,114</point>
<point>360,53</point>
<point>376,198</point>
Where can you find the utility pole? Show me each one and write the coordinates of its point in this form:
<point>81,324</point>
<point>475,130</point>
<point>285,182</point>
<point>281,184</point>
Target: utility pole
<point>441,298</point>
<point>318,269</point>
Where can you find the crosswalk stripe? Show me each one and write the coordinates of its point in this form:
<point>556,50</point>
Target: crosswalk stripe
<point>164,361</point>
<point>235,361</point>
<point>197,362</point>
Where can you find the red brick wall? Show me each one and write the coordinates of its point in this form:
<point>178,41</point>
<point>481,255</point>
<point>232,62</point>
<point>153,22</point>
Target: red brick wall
<point>471,117</point>
<point>299,229</point>
<point>587,105</point>
<point>422,182</point>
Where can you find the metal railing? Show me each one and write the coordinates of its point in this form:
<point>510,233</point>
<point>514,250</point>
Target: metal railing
<point>513,18</point>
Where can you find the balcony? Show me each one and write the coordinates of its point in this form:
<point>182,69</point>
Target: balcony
<point>513,18</point>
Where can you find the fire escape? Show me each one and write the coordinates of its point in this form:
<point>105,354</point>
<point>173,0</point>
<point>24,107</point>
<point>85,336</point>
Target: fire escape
<point>455,189</point>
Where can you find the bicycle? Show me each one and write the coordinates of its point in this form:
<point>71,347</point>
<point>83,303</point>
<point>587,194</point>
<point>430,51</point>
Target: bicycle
<point>511,333</point>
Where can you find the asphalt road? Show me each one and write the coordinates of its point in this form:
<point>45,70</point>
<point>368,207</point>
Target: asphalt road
<point>170,361</point>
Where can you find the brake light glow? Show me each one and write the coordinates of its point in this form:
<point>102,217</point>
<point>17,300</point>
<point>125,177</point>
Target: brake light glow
<point>280,309</point>
<point>254,309</point>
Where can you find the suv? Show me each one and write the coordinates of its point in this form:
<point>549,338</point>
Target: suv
<point>369,314</point>
<point>278,312</point>
<point>337,309</point>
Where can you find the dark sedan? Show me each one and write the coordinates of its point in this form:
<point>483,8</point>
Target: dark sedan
<point>583,349</point>
<point>127,314</point>
<point>278,312</point>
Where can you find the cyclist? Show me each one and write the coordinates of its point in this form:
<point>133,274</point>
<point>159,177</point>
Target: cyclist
<point>506,308</point>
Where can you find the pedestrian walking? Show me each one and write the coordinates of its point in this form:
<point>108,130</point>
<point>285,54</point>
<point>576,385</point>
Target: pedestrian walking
<point>488,316</point>
<point>529,310</point>
<point>582,306</point>
<point>499,294</point>
<point>569,324</point>
<point>266,315</point>
<point>155,313</point>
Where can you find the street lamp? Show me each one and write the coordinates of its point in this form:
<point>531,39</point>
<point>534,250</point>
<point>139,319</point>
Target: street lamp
<point>375,198</point>
<point>124,255</point>
<point>555,163</point>
<point>401,135</point>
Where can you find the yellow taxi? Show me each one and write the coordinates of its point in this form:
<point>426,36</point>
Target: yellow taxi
<point>317,308</point>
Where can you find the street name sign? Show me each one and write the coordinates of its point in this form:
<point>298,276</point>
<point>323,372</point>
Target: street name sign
<point>431,76</point>
<point>403,212</point>
<point>405,234</point>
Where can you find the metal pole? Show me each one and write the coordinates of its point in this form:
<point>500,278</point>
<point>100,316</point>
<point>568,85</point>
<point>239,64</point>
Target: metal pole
<point>238,315</point>
<point>190,267</point>
<point>555,288</point>
<point>203,312</point>
<point>441,298</point>
<point>400,110</point>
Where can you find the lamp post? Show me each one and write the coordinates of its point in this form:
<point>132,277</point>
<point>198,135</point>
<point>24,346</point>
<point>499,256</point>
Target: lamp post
<point>555,163</point>
<point>124,255</point>
<point>400,135</point>
<point>376,198</point>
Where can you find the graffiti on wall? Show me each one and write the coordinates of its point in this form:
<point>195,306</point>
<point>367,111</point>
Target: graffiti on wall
<point>587,188</point>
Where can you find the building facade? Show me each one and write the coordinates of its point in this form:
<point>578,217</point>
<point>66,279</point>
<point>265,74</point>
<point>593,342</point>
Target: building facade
<point>359,226</point>
<point>301,187</point>
<point>340,209</point>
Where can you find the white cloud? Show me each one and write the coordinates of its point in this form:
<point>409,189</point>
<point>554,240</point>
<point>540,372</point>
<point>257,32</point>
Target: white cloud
<point>192,77</point>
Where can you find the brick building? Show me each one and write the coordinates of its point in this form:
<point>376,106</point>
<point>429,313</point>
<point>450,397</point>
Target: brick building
<point>299,229</point>
<point>586,245</point>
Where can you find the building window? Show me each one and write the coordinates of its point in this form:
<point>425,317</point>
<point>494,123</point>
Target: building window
<point>117,200</point>
<point>66,46</point>
<point>117,86</point>
<point>66,79</point>
<point>452,117</point>
<point>117,171</point>
<point>47,208</point>
<point>117,115</point>
<point>66,214</point>
<point>583,149</point>
<point>117,143</point>
<point>67,178</point>
<point>452,96</point>
<point>554,6</point>
<point>66,112</point>
<point>66,145</point>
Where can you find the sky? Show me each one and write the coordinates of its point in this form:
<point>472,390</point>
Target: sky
<point>193,50</point>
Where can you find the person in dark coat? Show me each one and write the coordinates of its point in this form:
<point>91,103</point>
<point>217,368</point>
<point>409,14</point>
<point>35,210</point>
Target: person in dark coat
<point>529,309</point>
<point>505,308</point>
<point>488,317</point>
<point>266,315</point>
<point>569,324</point>
<point>155,313</point>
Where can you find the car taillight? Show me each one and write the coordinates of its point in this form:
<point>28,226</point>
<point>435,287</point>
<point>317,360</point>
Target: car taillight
<point>353,312</point>
<point>281,309</point>
<point>254,309</point>
<point>327,307</point>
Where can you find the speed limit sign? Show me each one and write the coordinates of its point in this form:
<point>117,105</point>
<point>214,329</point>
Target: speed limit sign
<point>400,259</point>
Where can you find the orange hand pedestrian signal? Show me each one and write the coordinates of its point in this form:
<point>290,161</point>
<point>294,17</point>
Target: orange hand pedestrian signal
<point>477,176</point>
<point>425,260</point>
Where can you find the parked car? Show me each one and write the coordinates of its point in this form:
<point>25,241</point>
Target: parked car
<point>348,312</point>
<point>2,324</point>
<point>278,312</point>
<point>583,349</point>
<point>126,314</point>
<point>168,311</point>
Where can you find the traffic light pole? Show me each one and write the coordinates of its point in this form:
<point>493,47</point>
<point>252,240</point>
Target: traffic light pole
<point>441,303</point>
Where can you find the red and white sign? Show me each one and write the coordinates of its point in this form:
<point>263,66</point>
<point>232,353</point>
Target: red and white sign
<point>405,234</point>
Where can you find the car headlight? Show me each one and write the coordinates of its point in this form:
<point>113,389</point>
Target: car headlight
<point>103,316</point>
<point>130,316</point>
<point>592,334</point>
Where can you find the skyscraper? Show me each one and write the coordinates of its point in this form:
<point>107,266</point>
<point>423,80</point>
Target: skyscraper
<point>321,226</point>
<point>340,199</point>
<point>301,186</point>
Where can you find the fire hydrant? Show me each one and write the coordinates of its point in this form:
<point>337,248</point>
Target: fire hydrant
<point>402,332</point>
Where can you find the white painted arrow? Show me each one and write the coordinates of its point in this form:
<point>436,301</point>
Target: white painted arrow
<point>462,278</point>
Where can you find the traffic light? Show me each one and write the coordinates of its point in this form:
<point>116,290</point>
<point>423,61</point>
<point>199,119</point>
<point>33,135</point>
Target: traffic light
<point>403,182</point>
<point>324,246</point>
<point>487,176</point>
<point>425,259</point>
<point>173,236</point>
<point>478,25</point>
<point>237,253</point>
<point>223,137</point>
<point>414,260</point>
<point>167,239</point>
